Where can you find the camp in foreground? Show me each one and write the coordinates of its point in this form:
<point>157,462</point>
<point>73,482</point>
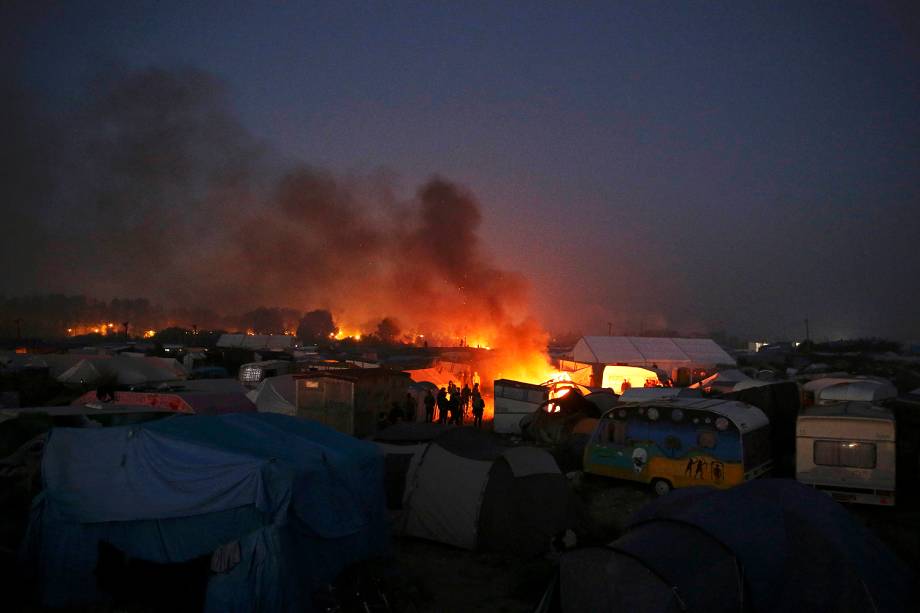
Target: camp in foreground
<point>266,507</point>
<point>770,545</point>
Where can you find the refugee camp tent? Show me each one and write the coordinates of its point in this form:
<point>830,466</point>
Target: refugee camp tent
<point>56,363</point>
<point>566,423</point>
<point>725,381</point>
<point>124,370</point>
<point>273,506</point>
<point>81,373</point>
<point>465,490</point>
<point>199,403</point>
<point>212,386</point>
<point>209,372</point>
<point>666,353</point>
<point>419,390</point>
<point>678,359</point>
<point>275,395</point>
<point>256,342</point>
<point>767,545</point>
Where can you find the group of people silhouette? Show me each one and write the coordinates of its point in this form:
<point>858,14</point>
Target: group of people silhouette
<point>453,403</point>
<point>696,467</point>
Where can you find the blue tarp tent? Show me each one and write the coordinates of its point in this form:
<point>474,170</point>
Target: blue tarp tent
<point>293,501</point>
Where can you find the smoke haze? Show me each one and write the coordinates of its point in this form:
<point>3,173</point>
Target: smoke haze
<point>150,187</point>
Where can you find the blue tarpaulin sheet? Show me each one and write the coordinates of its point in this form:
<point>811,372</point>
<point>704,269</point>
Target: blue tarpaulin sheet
<point>301,499</point>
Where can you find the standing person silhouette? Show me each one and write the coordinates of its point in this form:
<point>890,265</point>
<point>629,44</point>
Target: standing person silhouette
<point>465,394</point>
<point>442,406</point>
<point>479,407</point>
<point>409,406</point>
<point>429,407</point>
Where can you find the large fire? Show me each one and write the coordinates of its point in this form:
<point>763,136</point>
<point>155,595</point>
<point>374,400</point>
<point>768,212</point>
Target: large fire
<point>103,329</point>
<point>503,351</point>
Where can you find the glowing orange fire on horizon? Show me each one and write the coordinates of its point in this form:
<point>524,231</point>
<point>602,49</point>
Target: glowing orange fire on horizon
<point>103,329</point>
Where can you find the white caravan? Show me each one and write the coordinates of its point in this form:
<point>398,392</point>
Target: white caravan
<point>848,450</point>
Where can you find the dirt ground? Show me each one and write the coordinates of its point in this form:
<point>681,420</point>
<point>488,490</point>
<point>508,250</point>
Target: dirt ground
<point>446,579</point>
<point>440,578</point>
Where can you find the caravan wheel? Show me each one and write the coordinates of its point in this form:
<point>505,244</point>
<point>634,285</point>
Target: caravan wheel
<point>661,486</point>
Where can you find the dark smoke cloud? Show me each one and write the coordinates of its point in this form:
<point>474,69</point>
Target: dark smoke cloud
<point>151,187</point>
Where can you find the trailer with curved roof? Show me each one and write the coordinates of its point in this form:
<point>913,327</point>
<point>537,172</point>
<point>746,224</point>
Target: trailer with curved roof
<point>681,442</point>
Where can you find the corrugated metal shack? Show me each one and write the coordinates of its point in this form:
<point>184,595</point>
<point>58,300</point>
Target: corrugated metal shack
<point>349,400</point>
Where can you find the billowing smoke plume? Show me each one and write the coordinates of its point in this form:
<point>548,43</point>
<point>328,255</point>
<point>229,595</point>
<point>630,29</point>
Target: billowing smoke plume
<point>151,187</point>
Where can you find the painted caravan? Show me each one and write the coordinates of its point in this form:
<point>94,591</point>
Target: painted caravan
<point>848,450</point>
<point>681,442</point>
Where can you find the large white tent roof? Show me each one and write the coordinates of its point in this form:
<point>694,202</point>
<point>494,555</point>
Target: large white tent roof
<point>643,351</point>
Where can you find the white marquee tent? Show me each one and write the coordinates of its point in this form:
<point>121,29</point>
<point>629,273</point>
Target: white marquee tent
<point>256,342</point>
<point>665,353</point>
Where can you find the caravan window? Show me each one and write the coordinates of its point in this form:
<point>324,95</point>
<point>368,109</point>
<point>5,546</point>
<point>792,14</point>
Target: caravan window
<point>536,396</point>
<point>845,453</point>
<point>706,439</point>
<point>616,433</point>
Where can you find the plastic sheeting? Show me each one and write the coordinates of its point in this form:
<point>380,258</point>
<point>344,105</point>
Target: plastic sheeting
<point>275,395</point>
<point>124,370</point>
<point>793,543</point>
<point>303,501</point>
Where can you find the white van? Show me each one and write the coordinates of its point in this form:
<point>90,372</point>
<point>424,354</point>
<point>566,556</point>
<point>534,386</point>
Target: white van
<point>848,450</point>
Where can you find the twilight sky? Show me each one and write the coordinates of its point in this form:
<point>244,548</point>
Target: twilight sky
<point>700,166</point>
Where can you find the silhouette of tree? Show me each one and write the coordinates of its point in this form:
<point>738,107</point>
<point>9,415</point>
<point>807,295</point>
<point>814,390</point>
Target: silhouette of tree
<point>388,330</point>
<point>264,320</point>
<point>315,327</point>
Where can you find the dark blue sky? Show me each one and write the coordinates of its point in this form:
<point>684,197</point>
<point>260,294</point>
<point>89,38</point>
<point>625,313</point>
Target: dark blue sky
<point>701,166</point>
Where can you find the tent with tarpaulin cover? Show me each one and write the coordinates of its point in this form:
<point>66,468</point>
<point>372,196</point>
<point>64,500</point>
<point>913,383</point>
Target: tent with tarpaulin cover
<point>769,545</point>
<point>277,506</point>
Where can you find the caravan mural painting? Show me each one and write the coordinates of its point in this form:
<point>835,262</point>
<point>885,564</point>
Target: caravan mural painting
<point>681,442</point>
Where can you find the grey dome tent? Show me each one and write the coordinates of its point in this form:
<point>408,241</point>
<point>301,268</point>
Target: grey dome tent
<point>767,545</point>
<point>464,489</point>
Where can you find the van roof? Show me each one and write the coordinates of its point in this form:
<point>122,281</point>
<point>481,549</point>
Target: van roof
<point>852,410</point>
<point>744,416</point>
